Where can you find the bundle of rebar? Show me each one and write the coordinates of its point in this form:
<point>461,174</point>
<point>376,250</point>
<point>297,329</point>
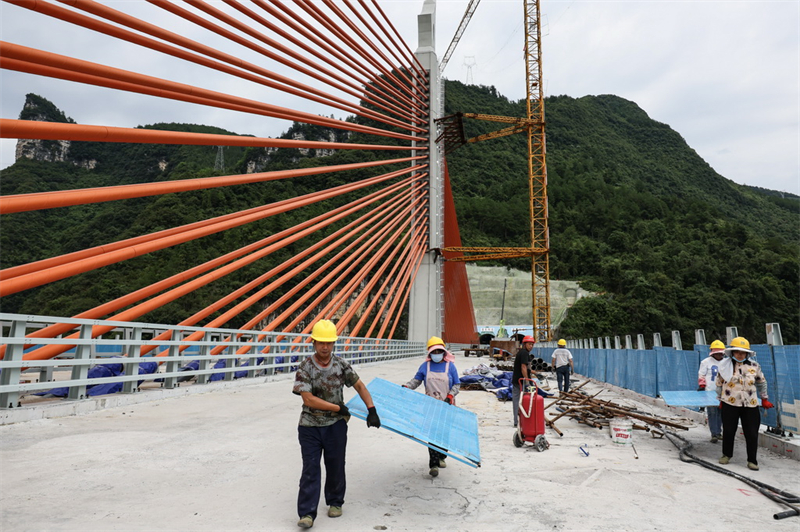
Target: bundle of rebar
<point>589,410</point>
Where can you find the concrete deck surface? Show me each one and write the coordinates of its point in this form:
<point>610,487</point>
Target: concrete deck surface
<point>229,460</point>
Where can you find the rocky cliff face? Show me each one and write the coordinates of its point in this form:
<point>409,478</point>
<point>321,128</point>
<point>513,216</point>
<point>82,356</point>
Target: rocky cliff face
<point>40,109</point>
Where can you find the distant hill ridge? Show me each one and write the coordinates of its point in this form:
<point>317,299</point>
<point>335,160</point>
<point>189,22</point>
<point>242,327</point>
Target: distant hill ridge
<point>635,215</point>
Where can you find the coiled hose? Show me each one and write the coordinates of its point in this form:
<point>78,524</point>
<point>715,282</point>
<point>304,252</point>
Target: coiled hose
<point>777,495</point>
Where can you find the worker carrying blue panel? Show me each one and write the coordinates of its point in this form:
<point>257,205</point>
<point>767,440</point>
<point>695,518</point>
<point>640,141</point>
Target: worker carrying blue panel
<point>429,421</point>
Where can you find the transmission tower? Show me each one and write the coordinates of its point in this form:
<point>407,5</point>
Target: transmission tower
<point>469,62</point>
<point>219,163</point>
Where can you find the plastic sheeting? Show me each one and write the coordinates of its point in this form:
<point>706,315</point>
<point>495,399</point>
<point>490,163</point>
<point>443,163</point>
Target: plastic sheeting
<point>101,371</point>
<point>433,423</point>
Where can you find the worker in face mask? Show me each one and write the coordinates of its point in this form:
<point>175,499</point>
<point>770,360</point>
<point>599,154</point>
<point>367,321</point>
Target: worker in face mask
<point>440,376</point>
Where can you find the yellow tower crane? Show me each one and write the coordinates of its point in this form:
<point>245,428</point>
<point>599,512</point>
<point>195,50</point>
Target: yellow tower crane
<point>534,123</point>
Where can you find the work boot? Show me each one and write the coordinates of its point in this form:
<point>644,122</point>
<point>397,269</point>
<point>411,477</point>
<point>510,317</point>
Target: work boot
<point>442,463</point>
<point>724,460</point>
<point>752,465</point>
<point>306,522</point>
<point>335,511</point>
<point>434,472</point>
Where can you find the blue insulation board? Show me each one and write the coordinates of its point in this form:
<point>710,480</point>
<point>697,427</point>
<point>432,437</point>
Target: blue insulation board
<point>431,422</point>
<point>692,398</point>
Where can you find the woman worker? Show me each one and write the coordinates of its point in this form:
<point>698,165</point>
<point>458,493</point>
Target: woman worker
<point>440,376</point>
<point>739,383</point>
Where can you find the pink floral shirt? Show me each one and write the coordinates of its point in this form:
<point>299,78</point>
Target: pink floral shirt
<point>744,386</point>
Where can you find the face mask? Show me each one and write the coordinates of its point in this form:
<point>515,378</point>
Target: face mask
<point>437,357</point>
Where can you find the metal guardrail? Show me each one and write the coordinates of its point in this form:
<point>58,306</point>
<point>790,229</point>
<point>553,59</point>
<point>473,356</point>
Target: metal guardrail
<point>267,353</point>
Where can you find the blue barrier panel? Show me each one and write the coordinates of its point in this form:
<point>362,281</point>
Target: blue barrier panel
<point>677,369</point>
<point>615,367</point>
<point>764,358</point>
<point>429,421</point>
<point>581,359</point>
<point>642,372</point>
<point>787,398</point>
<point>691,398</point>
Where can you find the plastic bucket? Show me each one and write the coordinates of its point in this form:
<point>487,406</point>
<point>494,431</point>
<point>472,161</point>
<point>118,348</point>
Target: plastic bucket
<point>621,430</point>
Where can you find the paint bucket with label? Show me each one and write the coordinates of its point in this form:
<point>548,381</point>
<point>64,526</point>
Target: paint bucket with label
<point>621,430</point>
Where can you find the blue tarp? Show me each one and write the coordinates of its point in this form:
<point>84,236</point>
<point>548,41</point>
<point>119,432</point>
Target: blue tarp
<point>426,420</point>
<point>101,371</point>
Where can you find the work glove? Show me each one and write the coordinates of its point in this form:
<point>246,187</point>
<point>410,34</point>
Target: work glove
<point>701,388</point>
<point>343,410</point>
<point>766,404</point>
<point>372,418</point>
<point>701,383</point>
<point>449,399</point>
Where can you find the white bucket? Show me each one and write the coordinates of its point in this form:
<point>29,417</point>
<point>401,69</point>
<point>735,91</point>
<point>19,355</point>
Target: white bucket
<point>621,430</point>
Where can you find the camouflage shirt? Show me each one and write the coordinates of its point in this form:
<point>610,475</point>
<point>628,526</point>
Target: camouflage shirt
<point>327,384</point>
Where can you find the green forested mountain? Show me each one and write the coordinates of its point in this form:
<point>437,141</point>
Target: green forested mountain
<point>635,214</point>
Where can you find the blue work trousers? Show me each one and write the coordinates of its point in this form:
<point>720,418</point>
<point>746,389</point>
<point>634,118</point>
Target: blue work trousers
<point>562,375</point>
<point>330,441</point>
<point>714,420</point>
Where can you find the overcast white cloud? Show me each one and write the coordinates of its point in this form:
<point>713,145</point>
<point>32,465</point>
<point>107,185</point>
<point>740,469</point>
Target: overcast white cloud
<point>723,74</point>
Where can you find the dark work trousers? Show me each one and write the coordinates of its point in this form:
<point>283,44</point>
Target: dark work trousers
<point>562,374</point>
<point>331,442</point>
<point>434,457</point>
<point>751,420</point>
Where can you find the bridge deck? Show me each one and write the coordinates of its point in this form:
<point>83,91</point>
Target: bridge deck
<point>229,460</point>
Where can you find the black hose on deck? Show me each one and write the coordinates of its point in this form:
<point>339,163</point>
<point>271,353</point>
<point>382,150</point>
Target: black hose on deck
<point>775,494</point>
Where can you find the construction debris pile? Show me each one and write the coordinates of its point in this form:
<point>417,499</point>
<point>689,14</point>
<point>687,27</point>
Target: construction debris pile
<point>589,410</point>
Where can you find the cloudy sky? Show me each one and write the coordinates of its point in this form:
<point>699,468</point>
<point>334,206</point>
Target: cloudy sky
<point>723,74</point>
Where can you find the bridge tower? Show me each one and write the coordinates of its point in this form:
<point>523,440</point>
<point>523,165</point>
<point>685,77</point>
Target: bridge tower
<point>426,302</point>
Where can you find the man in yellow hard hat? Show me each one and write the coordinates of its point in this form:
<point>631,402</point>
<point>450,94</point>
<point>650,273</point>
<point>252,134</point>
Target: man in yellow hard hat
<point>709,368</point>
<point>320,380</point>
<point>563,365</point>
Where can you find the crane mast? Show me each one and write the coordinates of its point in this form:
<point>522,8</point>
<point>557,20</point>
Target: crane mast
<point>533,124</point>
<point>537,173</point>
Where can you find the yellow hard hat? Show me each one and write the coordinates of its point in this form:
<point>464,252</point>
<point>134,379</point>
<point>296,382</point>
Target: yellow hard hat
<point>435,340</point>
<point>324,331</point>
<point>717,344</point>
<point>562,342</point>
<point>739,344</point>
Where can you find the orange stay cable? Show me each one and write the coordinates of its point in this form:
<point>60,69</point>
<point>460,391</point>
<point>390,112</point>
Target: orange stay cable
<point>394,319</point>
<point>355,281</point>
<point>66,198</point>
<point>52,331</point>
<point>393,247</point>
<point>325,20</point>
<point>321,222</point>
<point>279,11</point>
<point>352,81</point>
<point>267,52</point>
<point>50,351</point>
<point>396,282</point>
<point>390,277</point>
<point>394,204</point>
<point>22,58</point>
<point>356,30</point>
<point>24,282</point>
<point>30,129</point>
<point>331,280</point>
<point>413,57</point>
<point>413,65</point>
<point>281,82</point>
